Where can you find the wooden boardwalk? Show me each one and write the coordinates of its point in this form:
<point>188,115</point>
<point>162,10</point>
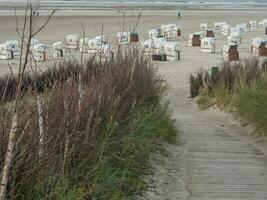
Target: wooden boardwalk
<point>214,161</point>
<point>220,164</point>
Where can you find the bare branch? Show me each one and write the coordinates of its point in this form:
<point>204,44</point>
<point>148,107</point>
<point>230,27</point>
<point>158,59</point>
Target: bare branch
<point>138,19</point>
<point>17,26</point>
<point>46,22</point>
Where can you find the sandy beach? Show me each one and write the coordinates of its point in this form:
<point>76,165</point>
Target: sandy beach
<point>178,174</point>
<point>66,22</point>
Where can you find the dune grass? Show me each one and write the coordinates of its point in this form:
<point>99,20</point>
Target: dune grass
<point>102,122</point>
<point>238,87</point>
<point>251,104</point>
<point>125,169</point>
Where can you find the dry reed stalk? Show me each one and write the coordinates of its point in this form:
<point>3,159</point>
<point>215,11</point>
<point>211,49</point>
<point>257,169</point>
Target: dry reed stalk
<point>67,136</point>
<point>81,91</point>
<point>9,156</point>
<point>41,126</point>
<point>28,21</point>
<point>89,125</point>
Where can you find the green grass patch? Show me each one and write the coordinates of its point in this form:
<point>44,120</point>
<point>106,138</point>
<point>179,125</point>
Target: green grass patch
<point>240,87</point>
<point>225,99</point>
<point>252,105</point>
<point>121,170</point>
<point>205,102</point>
<point>121,175</point>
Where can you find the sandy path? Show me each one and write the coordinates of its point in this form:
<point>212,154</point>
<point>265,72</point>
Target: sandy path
<point>214,160</point>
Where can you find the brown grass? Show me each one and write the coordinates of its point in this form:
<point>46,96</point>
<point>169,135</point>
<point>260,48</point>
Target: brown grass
<point>75,138</point>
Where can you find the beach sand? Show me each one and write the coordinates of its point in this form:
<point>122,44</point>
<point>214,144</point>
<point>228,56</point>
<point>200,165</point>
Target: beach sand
<point>65,22</point>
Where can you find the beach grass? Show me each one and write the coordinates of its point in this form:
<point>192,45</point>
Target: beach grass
<point>102,123</point>
<point>238,87</point>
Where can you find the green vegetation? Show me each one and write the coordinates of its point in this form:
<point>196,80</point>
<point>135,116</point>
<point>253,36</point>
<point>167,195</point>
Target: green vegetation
<point>237,87</point>
<point>251,104</point>
<point>102,122</point>
<point>121,172</point>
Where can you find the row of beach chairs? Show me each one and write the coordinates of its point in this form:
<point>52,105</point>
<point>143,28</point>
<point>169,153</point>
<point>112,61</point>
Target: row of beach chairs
<point>234,38</point>
<point>161,45</point>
